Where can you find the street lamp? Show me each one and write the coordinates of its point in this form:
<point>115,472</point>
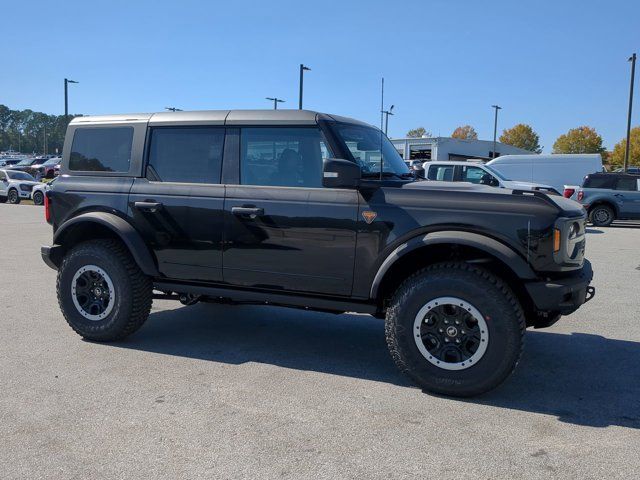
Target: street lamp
<point>386,120</point>
<point>173,109</point>
<point>632,59</point>
<point>66,97</point>
<point>275,101</point>
<point>302,69</point>
<point>495,128</point>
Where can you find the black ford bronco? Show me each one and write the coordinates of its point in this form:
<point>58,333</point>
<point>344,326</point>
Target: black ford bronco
<point>313,211</point>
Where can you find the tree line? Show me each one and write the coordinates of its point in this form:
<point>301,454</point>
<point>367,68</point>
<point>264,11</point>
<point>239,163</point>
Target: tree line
<point>582,139</point>
<point>27,131</point>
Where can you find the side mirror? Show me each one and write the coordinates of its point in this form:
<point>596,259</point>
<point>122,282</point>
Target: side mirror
<point>488,179</point>
<point>337,173</point>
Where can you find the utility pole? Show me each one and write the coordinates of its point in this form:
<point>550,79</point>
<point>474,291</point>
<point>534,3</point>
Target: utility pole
<point>275,101</point>
<point>66,97</point>
<point>632,59</point>
<point>44,140</point>
<point>495,129</point>
<point>302,69</point>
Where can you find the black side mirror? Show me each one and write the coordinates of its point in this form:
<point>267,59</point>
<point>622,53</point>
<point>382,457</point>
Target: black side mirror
<point>337,173</point>
<point>488,179</point>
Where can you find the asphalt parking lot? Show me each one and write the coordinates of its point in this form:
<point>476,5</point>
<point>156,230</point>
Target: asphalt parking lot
<point>213,391</point>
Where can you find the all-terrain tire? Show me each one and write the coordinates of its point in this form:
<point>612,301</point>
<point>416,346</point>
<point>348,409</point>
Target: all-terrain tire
<point>602,215</point>
<point>38,198</point>
<point>13,196</point>
<point>492,299</point>
<point>132,290</point>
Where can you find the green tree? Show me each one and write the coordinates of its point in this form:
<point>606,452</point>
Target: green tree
<point>579,140</point>
<point>418,132</point>
<point>466,132</point>
<point>522,136</point>
<point>617,155</point>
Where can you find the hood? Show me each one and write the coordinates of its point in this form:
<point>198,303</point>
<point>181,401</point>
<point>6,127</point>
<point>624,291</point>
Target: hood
<point>518,185</point>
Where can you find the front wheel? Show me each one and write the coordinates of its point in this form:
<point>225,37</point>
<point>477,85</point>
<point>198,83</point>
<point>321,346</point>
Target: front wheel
<point>38,198</point>
<point>602,215</point>
<point>103,294</point>
<point>13,197</point>
<point>455,329</point>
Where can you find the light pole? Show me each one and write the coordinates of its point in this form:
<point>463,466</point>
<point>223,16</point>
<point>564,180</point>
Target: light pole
<point>632,59</point>
<point>66,97</point>
<point>275,101</point>
<point>386,119</point>
<point>302,69</point>
<point>173,109</point>
<point>495,128</point>
<point>44,140</point>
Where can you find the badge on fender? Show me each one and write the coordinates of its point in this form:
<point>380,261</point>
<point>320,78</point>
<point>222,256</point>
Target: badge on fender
<point>369,216</point>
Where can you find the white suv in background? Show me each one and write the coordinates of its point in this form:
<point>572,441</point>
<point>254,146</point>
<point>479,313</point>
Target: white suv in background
<point>15,185</point>
<point>477,172</point>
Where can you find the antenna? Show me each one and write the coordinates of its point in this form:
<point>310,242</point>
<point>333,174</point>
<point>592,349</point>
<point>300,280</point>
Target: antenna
<point>381,121</point>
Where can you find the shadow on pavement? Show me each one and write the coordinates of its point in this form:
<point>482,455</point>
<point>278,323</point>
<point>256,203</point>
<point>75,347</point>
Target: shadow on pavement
<point>579,378</point>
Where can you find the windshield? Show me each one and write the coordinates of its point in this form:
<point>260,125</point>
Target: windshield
<point>26,161</point>
<point>496,173</point>
<point>51,161</point>
<point>20,176</point>
<point>364,145</point>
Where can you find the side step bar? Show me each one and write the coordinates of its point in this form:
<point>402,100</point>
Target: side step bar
<point>268,298</point>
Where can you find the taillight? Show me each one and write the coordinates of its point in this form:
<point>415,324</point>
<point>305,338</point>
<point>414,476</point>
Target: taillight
<point>47,207</point>
<point>580,195</point>
<point>568,192</point>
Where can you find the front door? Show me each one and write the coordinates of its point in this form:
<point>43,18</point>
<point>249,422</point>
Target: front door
<point>283,230</point>
<point>178,207</point>
<point>628,196</point>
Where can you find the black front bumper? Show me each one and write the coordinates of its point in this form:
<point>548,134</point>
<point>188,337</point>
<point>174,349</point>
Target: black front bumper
<point>563,295</point>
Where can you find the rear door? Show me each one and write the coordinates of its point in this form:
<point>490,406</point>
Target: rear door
<point>178,206</point>
<point>284,231</point>
<point>444,173</point>
<point>628,195</point>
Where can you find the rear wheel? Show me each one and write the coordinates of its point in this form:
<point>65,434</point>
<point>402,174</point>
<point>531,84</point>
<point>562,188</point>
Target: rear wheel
<point>13,197</point>
<point>455,329</point>
<point>602,215</point>
<point>103,294</point>
<point>38,198</point>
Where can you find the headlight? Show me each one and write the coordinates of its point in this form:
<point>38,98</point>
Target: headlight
<point>574,230</point>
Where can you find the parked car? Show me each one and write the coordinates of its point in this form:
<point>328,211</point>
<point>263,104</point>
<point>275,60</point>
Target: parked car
<point>9,162</point>
<point>457,270</point>
<point>28,165</point>
<point>15,185</point>
<point>556,170</point>
<point>479,173</point>
<point>39,191</point>
<point>608,197</point>
<point>49,169</point>
<point>633,170</point>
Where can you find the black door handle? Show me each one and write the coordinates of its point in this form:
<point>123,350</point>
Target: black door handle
<point>252,211</point>
<point>148,206</point>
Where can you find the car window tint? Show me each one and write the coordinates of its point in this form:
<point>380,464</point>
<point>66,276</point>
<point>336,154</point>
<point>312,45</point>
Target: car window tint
<point>104,149</point>
<point>286,157</point>
<point>600,181</point>
<point>186,155</point>
<point>627,183</point>
<point>472,174</point>
<point>441,172</point>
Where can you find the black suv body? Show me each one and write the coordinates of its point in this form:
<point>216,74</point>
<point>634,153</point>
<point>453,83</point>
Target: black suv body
<point>293,208</point>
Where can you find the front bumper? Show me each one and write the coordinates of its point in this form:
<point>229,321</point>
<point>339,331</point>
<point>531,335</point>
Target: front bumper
<point>50,255</point>
<point>563,295</point>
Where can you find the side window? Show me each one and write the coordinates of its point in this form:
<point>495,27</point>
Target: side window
<point>186,154</point>
<point>441,173</point>
<point>286,157</point>
<point>472,174</point>
<point>2,177</point>
<point>628,184</point>
<point>103,149</point>
<point>600,181</point>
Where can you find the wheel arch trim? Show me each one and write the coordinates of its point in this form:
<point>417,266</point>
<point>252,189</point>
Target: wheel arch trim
<point>123,229</point>
<point>481,242</point>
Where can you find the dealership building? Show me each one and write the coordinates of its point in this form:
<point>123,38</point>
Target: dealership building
<point>447,148</point>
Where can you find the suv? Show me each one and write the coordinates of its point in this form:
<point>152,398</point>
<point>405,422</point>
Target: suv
<point>608,197</point>
<point>295,208</point>
<point>15,185</point>
<point>477,172</point>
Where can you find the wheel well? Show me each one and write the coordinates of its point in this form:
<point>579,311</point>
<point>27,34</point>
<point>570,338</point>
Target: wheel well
<point>603,202</point>
<point>422,257</point>
<point>81,232</point>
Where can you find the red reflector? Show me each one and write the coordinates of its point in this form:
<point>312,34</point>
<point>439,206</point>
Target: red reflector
<point>580,195</point>
<point>47,208</point>
<point>568,192</point>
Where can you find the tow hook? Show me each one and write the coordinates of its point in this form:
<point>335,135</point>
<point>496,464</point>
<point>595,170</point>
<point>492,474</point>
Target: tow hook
<point>189,298</point>
<point>591,292</point>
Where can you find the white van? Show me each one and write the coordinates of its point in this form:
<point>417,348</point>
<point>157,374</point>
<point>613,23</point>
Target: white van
<point>556,170</point>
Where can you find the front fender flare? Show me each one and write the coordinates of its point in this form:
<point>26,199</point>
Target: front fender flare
<point>489,245</point>
<point>121,228</point>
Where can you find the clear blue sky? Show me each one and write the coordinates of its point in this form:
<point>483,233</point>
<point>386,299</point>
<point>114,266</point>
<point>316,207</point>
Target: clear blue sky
<point>552,64</point>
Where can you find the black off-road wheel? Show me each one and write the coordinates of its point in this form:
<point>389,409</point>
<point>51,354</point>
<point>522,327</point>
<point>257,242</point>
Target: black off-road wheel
<point>455,329</point>
<point>103,294</point>
<point>14,198</point>
<point>38,198</point>
<point>602,215</point>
